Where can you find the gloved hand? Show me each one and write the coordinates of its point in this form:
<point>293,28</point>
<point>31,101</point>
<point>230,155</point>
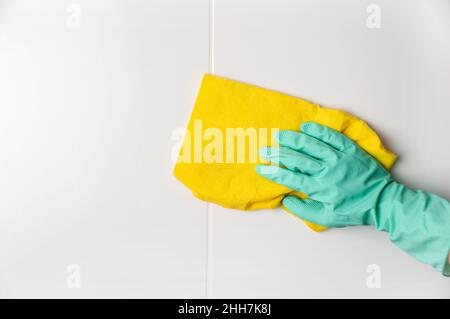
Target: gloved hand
<point>346,187</point>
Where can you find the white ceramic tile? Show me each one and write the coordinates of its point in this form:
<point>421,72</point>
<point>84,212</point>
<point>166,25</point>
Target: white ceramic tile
<point>396,77</point>
<point>88,104</point>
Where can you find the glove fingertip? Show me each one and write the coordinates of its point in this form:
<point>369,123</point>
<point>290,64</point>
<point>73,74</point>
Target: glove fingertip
<point>266,170</point>
<point>276,136</point>
<point>264,152</point>
<point>283,137</point>
<point>306,209</point>
<point>289,199</point>
<point>305,126</point>
<point>291,202</point>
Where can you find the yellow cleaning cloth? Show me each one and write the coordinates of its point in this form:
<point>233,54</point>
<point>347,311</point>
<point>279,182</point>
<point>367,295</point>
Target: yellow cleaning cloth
<point>228,125</point>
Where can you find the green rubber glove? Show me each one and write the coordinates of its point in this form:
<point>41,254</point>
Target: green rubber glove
<point>347,187</point>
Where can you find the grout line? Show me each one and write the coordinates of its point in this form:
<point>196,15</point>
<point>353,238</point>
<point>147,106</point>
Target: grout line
<point>211,36</point>
<point>209,215</point>
<point>209,249</point>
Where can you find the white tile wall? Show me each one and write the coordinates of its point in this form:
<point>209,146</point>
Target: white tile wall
<point>86,117</point>
<point>92,90</point>
<point>397,77</point>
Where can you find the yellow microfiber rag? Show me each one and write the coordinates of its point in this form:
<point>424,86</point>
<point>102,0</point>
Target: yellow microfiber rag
<point>231,121</point>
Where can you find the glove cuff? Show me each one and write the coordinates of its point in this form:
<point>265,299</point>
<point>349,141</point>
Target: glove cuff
<point>417,222</point>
